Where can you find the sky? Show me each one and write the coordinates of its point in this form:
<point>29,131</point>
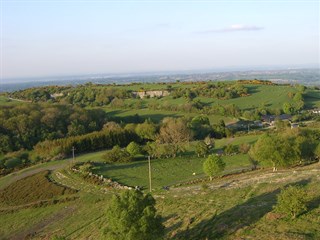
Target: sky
<point>56,37</point>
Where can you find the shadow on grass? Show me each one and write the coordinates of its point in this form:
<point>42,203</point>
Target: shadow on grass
<point>235,218</point>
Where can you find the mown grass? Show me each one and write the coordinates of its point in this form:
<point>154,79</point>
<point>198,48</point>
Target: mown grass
<point>165,172</point>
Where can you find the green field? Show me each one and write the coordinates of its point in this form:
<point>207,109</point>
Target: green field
<point>165,172</point>
<point>312,98</point>
<point>158,115</point>
<point>260,95</point>
<point>270,96</point>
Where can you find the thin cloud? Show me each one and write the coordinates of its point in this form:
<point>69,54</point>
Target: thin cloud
<point>234,28</point>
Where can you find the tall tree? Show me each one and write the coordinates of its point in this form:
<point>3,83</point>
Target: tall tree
<point>174,131</point>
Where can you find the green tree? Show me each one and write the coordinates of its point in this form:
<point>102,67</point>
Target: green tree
<point>277,150</point>
<point>287,108</point>
<point>231,149</point>
<point>202,149</point>
<point>213,165</point>
<point>116,154</point>
<point>174,131</point>
<point>292,201</point>
<point>146,130</point>
<point>200,126</point>
<point>132,215</point>
<point>133,149</point>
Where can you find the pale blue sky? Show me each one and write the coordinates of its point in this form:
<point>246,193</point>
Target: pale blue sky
<point>49,38</point>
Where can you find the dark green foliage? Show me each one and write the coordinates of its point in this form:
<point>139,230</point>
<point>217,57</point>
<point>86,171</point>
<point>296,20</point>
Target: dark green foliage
<point>292,201</point>
<point>202,149</point>
<point>132,216</point>
<point>85,143</point>
<point>218,90</point>
<point>116,154</point>
<point>287,149</point>
<point>213,165</point>
<point>219,130</point>
<point>30,189</point>
<point>84,95</point>
<point>279,151</point>
<point>23,126</point>
<point>13,162</point>
<point>200,126</point>
<point>15,159</point>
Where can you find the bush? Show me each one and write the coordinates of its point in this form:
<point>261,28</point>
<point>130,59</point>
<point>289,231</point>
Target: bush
<point>292,201</point>
<point>116,154</point>
<point>15,159</point>
<point>133,149</point>
<point>13,162</point>
<point>231,149</point>
<point>244,148</point>
<point>213,165</point>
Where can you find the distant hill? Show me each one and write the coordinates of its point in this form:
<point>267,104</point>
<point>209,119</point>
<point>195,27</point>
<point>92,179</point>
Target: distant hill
<point>308,77</point>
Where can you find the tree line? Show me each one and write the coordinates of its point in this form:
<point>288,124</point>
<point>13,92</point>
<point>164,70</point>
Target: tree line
<point>23,126</point>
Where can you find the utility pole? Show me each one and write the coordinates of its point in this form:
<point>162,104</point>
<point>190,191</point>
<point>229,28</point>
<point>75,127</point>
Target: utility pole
<point>150,189</point>
<point>73,158</point>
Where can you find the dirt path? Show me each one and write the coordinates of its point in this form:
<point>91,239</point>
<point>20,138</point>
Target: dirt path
<point>255,177</point>
<point>7,180</point>
<point>19,100</point>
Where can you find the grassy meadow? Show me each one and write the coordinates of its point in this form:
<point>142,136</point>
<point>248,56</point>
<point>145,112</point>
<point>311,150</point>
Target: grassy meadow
<point>236,207</point>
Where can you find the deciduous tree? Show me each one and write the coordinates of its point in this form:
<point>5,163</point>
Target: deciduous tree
<point>213,165</point>
<point>132,215</point>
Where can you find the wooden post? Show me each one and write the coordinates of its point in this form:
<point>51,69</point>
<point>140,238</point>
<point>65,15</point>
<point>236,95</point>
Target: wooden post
<point>73,158</point>
<point>150,189</point>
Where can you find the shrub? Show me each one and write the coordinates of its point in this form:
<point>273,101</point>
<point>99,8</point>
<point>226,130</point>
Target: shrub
<point>13,162</point>
<point>133,149</point>
<point>116,154</point>
<point>231,149</point>
<point>213,165</point>
<point>244,148</point>
<point>292,201</point>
